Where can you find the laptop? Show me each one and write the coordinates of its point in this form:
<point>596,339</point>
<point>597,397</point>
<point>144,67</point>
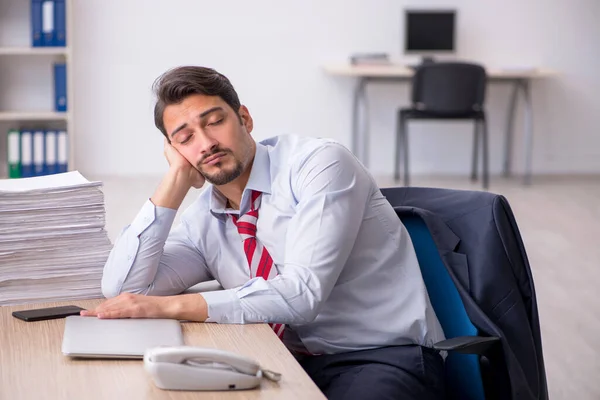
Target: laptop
<point>92,337</point>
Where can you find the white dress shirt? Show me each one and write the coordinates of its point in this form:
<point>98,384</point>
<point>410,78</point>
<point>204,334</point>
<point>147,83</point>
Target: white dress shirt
<point>348,273</point>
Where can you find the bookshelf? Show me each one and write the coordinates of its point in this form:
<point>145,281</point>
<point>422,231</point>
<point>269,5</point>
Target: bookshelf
<point>34,51</point>
<point>26,78</point>
<point>24,116</point>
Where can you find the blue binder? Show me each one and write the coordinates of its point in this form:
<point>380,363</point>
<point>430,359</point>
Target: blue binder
<point>38,153</point>
<point>60,23</point>
<point>51,156</point>
<point>60,87</point>
<point>26,154</point>
<point>48,22</point>
<point>63,151</point>
<point>36,23</point>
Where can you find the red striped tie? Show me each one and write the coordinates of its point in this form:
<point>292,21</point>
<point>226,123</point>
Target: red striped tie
<point>259,260</point>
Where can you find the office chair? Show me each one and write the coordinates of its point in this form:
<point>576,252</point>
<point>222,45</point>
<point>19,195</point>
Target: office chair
<point>479,282</point>
<point>445,91</point>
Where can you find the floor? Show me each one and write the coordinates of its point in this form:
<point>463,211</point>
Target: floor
<point>559,221</point>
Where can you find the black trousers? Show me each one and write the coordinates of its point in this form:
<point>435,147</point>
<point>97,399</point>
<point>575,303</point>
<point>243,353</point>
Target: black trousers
<point>397,372</point>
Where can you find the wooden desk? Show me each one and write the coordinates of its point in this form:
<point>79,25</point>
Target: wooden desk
<point>32,365</point>
<point>393,73</point>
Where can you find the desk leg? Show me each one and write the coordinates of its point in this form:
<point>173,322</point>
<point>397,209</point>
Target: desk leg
<point>360,130</point>
<point>510,129</point>
<point>525,86</point>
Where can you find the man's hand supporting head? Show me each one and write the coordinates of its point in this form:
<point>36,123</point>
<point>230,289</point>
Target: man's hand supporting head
<point>189,307</point>
<point>180,177</point>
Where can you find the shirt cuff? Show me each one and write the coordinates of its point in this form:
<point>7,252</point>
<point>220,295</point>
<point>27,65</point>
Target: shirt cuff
<point>153,221</point>
<point>224,307</point>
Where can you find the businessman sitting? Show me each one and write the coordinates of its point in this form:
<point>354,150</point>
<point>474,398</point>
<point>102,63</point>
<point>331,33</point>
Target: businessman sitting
<point>297,233</point>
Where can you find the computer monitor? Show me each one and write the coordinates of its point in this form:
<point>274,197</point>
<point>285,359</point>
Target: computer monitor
<point>429,32</point>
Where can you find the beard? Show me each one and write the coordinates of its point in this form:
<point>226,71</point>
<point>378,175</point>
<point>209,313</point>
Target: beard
<point>224,176</point>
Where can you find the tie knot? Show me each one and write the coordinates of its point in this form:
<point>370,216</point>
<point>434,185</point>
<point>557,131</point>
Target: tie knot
<point>246,224</point>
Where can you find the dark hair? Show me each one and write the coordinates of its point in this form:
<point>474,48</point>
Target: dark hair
<point>176,84</point>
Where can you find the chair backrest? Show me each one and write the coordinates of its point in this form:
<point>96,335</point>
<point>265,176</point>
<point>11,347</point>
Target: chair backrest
<point>463,373</point>
<point>449,88</point>
<point>482,248</point>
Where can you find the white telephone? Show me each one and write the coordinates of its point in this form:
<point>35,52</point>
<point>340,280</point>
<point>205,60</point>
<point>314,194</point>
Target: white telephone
<point>196,368</point>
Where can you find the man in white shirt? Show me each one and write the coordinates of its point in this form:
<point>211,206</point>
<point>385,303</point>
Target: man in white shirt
<point>297,233</point>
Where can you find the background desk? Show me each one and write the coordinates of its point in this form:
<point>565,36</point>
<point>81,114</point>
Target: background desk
<point>32,365</point>
<point>394,73</point>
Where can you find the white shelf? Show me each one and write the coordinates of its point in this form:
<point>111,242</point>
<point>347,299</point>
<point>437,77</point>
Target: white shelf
<point>33,116</point>
<point>33,51</point>
<point>19,110</point>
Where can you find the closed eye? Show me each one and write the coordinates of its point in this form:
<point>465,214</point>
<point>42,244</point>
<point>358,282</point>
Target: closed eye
<point>187,139</point>
<point>216,122</point>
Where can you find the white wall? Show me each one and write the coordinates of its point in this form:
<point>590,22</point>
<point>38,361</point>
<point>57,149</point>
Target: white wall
<point>273,52</point>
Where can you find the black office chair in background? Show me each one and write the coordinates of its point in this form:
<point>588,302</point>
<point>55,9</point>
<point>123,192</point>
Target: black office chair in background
<point>446,91</point>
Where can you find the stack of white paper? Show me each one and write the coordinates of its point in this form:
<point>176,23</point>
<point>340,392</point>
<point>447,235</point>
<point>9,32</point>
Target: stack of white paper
<point>53,244</point>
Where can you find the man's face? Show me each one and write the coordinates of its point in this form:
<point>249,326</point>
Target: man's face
<point>209,134</point>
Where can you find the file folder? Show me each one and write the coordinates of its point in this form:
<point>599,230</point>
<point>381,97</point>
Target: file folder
<point>38,153</point>
<point>63,152</point>
<point>60,25</point>
<point>60,87</point>
<point>50,161</point>
<point>36,23</point>
<point>13,155</point>
<point>48,22</point>
<point>26,154</point>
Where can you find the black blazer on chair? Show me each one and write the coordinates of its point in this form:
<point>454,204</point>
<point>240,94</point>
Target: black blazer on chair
<point>479,241</point>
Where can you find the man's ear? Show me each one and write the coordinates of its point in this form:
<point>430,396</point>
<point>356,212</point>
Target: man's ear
<point>246,118</point>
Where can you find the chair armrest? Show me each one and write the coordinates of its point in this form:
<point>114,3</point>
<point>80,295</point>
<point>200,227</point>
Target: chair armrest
<point>467,344</point>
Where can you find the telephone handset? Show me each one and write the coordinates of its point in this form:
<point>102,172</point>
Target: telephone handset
<point>196,368</point>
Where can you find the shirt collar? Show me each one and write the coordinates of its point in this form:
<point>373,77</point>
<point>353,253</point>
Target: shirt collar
<point>260,180</point>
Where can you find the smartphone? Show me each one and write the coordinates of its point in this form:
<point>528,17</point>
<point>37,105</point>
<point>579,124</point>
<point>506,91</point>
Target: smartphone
<point>42,314</point>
